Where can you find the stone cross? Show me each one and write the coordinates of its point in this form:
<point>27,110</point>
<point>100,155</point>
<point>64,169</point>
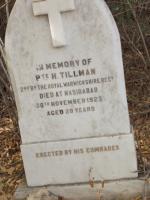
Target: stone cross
<point>53,8</point>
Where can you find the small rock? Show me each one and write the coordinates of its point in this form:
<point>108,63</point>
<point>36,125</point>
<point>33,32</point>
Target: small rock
<point>41,194</point>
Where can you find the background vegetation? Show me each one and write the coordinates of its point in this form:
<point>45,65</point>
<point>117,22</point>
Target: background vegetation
<point>133,19</point>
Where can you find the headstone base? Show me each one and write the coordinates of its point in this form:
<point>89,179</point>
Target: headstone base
<point>114,190</point>
<point>81,160</point>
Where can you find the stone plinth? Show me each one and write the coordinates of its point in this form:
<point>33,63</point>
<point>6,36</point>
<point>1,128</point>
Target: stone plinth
<point>114,190</point>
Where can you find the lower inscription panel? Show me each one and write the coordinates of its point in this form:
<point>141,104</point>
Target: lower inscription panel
<point>80,161</point>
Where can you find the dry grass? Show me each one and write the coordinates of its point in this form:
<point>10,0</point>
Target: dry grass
<point>133,19</point>
<point>11,167</point>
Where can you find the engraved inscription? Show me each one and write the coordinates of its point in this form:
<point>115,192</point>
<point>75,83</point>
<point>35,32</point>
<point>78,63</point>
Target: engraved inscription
<point>67,87</point>
<point>68,152</point>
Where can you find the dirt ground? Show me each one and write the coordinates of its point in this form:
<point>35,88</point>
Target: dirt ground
<point>133,20</point>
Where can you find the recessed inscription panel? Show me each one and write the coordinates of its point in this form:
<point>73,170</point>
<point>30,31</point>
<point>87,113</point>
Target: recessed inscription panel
<point>76,91</point>
<point>62,162</point>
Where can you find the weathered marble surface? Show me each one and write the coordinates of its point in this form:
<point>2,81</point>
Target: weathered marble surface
<point>92,39</point>
<point>116,190</point>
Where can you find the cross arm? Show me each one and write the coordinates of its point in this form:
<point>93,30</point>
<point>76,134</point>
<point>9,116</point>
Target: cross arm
<point>67,5</point>
<point>40,8</point>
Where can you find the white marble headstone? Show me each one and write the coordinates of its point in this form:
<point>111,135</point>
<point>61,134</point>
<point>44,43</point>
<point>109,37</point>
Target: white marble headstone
<point>65,63</point>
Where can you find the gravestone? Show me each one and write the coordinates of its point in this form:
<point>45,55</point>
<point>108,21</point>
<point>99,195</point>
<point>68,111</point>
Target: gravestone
<point>65,63</point>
